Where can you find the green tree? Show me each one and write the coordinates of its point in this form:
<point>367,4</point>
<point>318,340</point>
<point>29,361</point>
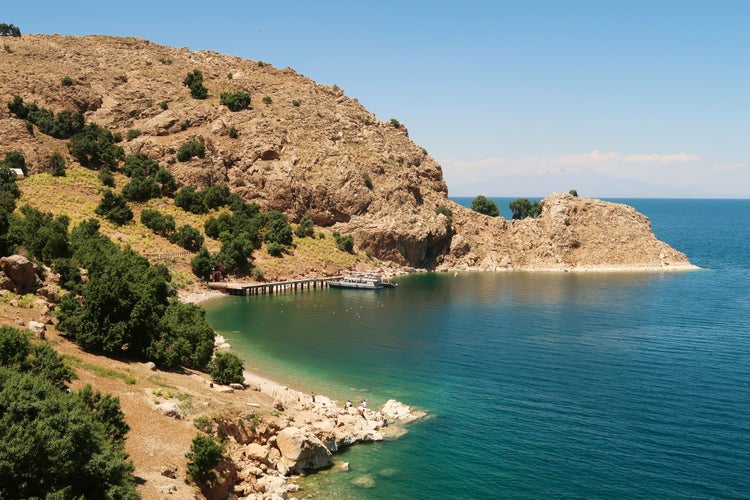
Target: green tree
<point>485,206</point>
<point>9,30</point>
<point>573,193</point>
<point>185,338</point>
<point>114,207</point>
<point>106,409</point>
<point>94,147</point>
<point>159,223</point>
<point>188,238</point>
<point>344,243</point>
<point>141,188</point>
<point>194,81</point>
<point>52,446</point>
<point>216,196</point>
<point>226,368</point>
<point>523,208</point>
<point>278,229</point>
<point>203,264</point>
<point>204,456</point>
<point>190,200</point>
<point>56,165</point>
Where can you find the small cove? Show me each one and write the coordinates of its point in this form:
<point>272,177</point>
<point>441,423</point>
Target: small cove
<point>537,384</point>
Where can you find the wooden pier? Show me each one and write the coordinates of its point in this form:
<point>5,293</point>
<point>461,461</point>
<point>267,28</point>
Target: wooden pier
<point>236,288</point>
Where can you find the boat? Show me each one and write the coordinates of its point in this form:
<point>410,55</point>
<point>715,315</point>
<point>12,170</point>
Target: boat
<point>362,281</point>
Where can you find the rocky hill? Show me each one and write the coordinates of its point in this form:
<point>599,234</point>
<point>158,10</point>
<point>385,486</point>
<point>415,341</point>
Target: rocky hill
<point>303,148</point>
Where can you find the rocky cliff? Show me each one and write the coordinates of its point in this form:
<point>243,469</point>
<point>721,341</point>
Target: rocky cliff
<point>303,148</point>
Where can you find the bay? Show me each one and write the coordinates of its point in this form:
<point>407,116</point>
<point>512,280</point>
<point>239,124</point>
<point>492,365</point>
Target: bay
<point>537,385</point>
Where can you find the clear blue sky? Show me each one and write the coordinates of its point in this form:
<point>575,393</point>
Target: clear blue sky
<point>514,98</point>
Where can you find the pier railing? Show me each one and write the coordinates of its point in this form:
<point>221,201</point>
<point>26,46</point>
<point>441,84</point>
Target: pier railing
<point>236,288</point>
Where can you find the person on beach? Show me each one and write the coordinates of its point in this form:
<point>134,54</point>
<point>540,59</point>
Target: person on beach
<point>312,395</point>
<point>348,405</point>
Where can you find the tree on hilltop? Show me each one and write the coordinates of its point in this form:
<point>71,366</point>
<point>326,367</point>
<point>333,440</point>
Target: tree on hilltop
<point>485,206</point>
<point>9,30</point>
<point>523,208</point>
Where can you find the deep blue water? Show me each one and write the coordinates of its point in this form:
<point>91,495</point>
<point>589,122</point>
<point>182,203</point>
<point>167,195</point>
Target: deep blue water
<point>543,385</point>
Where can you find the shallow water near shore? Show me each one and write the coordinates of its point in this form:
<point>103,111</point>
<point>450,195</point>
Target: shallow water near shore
<point>538,385</point>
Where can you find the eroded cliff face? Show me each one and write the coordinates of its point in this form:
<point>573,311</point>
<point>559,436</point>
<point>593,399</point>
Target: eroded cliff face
<point>306,149</point>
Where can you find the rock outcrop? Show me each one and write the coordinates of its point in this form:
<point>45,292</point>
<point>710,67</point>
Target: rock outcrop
<point>303,148</point>
<point>20,273</point>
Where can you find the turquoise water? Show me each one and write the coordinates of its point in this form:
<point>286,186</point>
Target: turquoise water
<point>538,385</point>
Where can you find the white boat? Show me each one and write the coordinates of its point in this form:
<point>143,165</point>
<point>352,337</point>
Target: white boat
<point>363,281</point>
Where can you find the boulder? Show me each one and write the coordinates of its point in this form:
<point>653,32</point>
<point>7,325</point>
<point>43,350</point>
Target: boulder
<point>20,270</point>
<point>170,409</point>
<point>301,449</point>
<point>37,328</point>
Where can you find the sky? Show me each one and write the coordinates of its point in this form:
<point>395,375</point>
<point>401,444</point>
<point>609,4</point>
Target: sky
<point>620,98</point>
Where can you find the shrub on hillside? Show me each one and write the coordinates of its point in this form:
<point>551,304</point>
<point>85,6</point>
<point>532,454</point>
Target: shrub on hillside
<point>191,149</point>
<point>235,101</point>
<point>188,238</point>
<point>204,456</point>
<point>114,208</point>
<point>194,81</point>
<point>226,368</point>
<point>159,223</point>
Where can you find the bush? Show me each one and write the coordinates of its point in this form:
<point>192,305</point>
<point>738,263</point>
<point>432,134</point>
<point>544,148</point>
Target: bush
<point>395,123</point>
<point>267,101</point>
<point>191,149</point>
<point>164,105</point>
<point>204,456</point>
<point>305,227</point>
<point>114,208</point>
<point>485,206</point>
<point>233,132</point>
<point>573,193</point>
<point>344,243</point>
<point>194,81</point>
<point>132,134</point>
<point>236,101</point>
<point>215,196</point>
<point>368,181</point>
<point>226,368</point>
<point>67,81</point>
<point>296,103</point>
